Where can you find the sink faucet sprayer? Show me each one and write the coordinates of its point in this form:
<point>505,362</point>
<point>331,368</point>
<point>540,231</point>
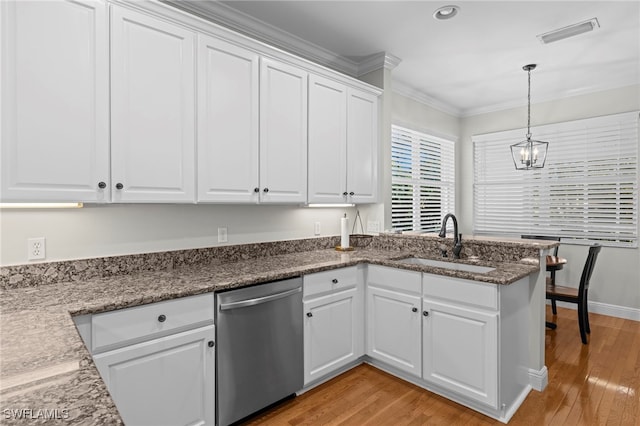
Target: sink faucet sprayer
<point>457,238</point>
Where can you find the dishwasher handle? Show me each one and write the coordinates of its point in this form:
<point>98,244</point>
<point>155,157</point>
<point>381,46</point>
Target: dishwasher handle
<point>258,300</point>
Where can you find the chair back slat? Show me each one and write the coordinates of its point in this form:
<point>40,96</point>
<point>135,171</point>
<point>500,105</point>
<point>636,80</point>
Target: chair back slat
<point>589,264</point>
<point>543,237</point>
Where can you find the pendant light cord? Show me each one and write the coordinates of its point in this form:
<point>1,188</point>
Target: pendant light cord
<point>529,105</point>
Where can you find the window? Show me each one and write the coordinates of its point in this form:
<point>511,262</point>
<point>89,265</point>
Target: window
<point>587,192</point>
<point>422,180</point>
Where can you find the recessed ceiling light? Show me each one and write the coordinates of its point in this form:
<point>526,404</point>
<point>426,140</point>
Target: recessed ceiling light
<point>446,12</point>
<point>570,31</point>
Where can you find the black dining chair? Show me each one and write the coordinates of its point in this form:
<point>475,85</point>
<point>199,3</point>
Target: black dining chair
<point>578,295</point>
<point>551,280</point>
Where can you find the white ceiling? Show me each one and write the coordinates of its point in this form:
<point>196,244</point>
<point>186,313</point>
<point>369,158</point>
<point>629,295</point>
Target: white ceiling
<point>473,62</point>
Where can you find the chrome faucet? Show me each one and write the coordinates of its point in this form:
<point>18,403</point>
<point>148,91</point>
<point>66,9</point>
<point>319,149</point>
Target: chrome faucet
<point>457,238</point>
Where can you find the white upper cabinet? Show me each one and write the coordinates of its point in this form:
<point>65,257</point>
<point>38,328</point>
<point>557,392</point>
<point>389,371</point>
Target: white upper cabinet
<point>327,141</point>
<point>55,134</point>
<point>110,102</point>
<point>362,146</point>
<point>228,93</point>
<point>283,133</point>
<point>153,102</point>
<point>343,143</point>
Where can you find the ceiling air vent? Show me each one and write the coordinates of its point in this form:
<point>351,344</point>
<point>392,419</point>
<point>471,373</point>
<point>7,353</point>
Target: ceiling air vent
<point>570,31</point>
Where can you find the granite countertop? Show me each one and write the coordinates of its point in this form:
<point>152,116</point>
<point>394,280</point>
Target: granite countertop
<point>44,364</point>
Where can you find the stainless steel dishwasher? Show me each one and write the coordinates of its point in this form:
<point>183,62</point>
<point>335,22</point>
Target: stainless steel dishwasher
<point>259,357</point>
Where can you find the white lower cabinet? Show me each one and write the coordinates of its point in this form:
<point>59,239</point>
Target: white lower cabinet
<point>332,333</point>
<point>463,339</point>
<point>167,381</point>
<point>157,360</point>
<point>460,350</point>
<point>393,329</point>
<point>333,321</point>
<point>393,318</point>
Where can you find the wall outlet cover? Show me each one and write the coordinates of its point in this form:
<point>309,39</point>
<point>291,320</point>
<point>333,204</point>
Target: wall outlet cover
<point>316,228</point>
<point>36,249</point>
<point>373,226</point>
<point>222,235</point>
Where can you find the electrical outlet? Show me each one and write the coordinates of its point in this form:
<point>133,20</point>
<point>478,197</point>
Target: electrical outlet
<point>316,228</point>
<point>36,249</point>
<point>373,226</point>
<point>222,235</point>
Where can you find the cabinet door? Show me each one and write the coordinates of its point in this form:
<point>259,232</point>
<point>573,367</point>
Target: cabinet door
<point>393,329</point>
<point>168,381</point>
<point>227,122</point>
<point>55,101</point>
<point>153,122</point>
<point>332,333</point>
<point>327,141</point>
<point>283,133</point>
<point>362,147</point>
<point>460,350</point>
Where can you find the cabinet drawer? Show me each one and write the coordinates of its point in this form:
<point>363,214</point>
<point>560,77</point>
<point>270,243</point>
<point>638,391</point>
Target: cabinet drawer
<point>327,281</point>
<point>461,291</point>
<point>112,329</point>
<point>393,278</point>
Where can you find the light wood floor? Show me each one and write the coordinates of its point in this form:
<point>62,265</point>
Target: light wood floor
<point>594,384</point>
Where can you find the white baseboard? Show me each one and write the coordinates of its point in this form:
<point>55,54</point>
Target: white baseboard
<point>606,309</point>
<point>538,379</point>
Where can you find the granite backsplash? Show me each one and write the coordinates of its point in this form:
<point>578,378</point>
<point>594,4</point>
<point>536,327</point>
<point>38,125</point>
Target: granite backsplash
<point>36,274</point>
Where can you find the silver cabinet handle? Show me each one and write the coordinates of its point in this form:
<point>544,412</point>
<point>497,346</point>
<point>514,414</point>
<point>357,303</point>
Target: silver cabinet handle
<point>258,300</point>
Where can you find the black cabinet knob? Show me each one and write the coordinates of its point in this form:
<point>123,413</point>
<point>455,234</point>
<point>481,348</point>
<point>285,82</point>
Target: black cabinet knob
<point>425,313</point>
<point>335,281</point>
<point>309,314</point>
<point>266,190</point>
<point>210,343</point>
<point>352,193</point>
<point>345,193</point>
<point>119,185</point>
<point>414,309</point>
<point>162,318</point>
<point>102,185</point>
<point>256,189</point>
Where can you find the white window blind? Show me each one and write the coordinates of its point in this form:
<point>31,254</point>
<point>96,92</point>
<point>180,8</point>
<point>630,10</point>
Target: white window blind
<point>422,180</point>
<point>587,192</point>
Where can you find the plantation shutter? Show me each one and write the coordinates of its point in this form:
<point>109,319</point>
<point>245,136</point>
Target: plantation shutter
<point>422,180</point>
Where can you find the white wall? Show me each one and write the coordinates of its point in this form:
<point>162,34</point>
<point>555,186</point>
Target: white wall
<point>117,229</point>
<point>616,277</point>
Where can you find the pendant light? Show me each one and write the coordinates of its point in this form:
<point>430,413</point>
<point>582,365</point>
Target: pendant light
<point>530,153</point>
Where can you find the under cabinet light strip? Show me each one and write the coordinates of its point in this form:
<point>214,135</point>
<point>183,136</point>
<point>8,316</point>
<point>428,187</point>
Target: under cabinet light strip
<point>330,205</point>
<point>41,205</point>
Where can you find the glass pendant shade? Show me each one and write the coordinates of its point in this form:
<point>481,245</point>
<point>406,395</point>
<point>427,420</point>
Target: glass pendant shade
<point>529,154</point>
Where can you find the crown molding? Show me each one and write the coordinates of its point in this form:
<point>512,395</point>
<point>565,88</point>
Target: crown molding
<point>410,92</point>
<point>377,61</point>
<point>233,19</point>
<point>567,94</point>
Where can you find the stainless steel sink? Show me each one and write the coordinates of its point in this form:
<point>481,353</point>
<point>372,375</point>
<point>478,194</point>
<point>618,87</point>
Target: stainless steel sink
<point>447,265</point>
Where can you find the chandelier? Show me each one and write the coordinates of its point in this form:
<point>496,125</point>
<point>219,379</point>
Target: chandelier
<point>530,153</point>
